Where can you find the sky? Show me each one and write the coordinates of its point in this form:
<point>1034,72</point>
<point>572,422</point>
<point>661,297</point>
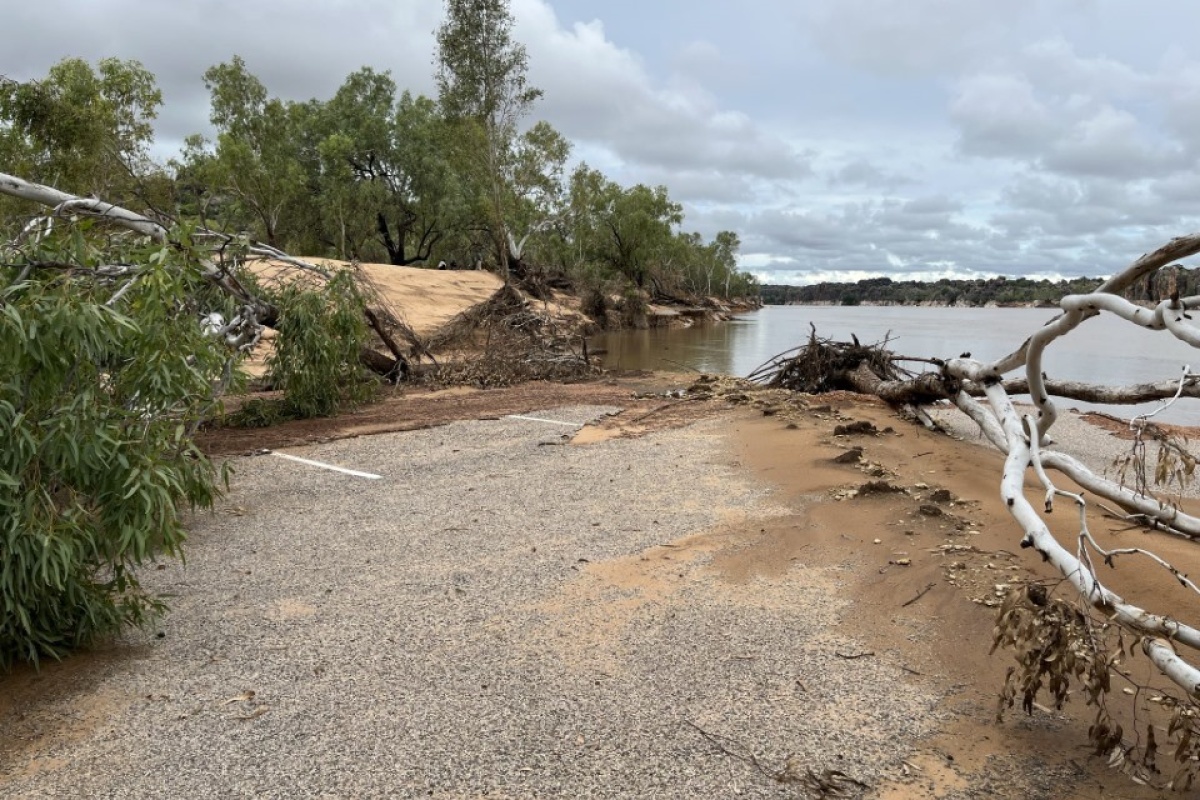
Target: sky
<point>840,139</point>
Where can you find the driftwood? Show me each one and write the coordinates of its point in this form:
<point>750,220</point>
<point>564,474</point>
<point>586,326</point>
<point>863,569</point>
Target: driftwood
<point>824,365</point>
<point>508,339</point>
<point>1111,395</point>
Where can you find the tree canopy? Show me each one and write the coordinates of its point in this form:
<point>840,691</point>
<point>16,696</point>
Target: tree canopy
<point>380,173</point>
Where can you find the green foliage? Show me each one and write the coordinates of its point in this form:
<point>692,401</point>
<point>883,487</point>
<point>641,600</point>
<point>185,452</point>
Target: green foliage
<point>101,384</point>
<point>484,94</point>
<point>316,358</point>
<point>257,412</point>
<point>81,129</point>
<point>481,70</point>
<point>373,173</point>
<point>631,232</point>
<point>369,176</point>
<point>976,292</point>
<point>256,161</point>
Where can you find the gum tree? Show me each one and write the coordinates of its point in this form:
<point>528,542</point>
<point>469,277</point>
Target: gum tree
<point>85,129</point>
<point>1078,636</point>
<point>483,90</point>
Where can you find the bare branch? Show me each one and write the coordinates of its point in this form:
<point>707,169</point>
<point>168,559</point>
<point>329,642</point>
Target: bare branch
<point>64,203</point>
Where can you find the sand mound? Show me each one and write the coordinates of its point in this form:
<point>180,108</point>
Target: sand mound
<point>426,300</point>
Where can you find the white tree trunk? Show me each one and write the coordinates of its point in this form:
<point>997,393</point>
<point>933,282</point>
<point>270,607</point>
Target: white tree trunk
<point>64,203</point>
<point>1023,440</point>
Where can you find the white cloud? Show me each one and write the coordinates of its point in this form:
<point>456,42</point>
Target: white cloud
<point>1000,116</point>
<point>1112,143</point>
<point>897,137</point>
<point>911,37</point>
<point>598,93</point>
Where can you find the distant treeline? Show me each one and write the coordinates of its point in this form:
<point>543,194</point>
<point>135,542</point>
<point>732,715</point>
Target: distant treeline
<point>979,292</point>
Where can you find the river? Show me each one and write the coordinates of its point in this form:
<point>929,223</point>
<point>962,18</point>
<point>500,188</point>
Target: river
<point>1102,350</point>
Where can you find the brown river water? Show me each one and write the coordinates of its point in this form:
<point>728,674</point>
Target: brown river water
<point>1103,349</point>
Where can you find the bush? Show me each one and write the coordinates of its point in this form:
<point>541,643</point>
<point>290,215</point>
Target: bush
<point>101,385</point>
<point>316,358</point>
<point>594,304</point>
<point>634,309</point>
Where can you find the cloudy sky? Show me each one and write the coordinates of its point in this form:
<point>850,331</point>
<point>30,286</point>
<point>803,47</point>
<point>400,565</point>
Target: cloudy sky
<point>839,138</point>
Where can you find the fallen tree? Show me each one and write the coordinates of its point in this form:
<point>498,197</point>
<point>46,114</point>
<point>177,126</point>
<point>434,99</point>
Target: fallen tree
<point>225,261</point>
<point>1054,646</point>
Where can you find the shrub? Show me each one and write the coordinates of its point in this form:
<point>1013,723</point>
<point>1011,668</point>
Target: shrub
<point>102,381</point>
<point>594,304</point>
<point>316,358</point>
<point>634,309</point>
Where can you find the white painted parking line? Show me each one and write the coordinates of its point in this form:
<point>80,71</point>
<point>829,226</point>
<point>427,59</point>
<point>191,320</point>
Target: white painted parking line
<point>354,472</point>
<point>550,421</point>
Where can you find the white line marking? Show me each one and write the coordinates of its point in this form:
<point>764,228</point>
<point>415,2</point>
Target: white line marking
<point>311,463</point>
<point>550,421</point>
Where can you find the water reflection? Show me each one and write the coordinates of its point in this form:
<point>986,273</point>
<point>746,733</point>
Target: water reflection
<point>718,347</point>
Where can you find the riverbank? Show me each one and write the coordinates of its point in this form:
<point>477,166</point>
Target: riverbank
<point>431,306</point>
<point>598,589</point>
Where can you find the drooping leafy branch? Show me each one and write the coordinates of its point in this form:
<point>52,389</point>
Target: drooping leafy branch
<point>105,372</point>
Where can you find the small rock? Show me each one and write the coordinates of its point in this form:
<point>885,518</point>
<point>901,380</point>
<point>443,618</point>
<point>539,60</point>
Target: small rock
<point>853,428</point>
<point>852,456</point>
<point>878,487</point>
<point>930,510</point>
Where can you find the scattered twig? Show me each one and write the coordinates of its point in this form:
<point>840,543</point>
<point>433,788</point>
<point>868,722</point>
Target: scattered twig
<point>718,741</point>
<point>919,595</point>
<point>665,406</point>
<point>852,656</point>
<point>829,783</point>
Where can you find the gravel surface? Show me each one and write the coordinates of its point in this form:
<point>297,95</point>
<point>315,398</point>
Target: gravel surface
<point>494,617</point>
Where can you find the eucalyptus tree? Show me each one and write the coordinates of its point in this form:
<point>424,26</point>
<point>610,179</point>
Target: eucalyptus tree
<point>537,187</point>
<point>105,372</point>
<point>360,186</point>
<point>637,226</point>
<point>398,155</point>
<point>85,129</point>
<point>580,227</point>
<point>256,162</point>
<point>725,249</point>
<point>483,90</point>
